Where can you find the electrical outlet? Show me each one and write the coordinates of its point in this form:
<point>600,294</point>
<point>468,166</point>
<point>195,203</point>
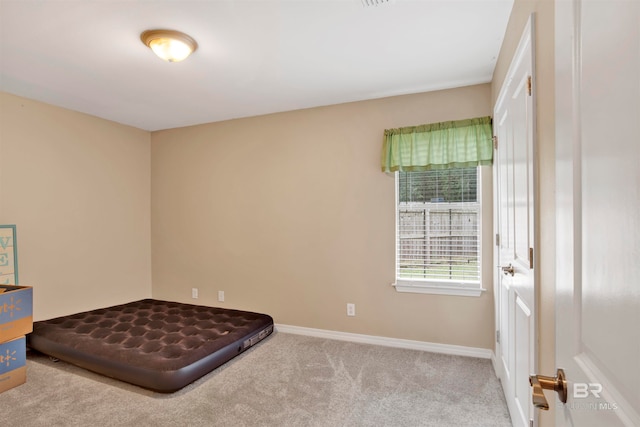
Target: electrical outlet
<point>351,309</point>
<point>194,293</point>
<point>221,296</point>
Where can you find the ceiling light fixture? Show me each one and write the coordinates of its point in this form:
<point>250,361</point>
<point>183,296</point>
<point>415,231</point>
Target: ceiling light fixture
<point>172,46</point>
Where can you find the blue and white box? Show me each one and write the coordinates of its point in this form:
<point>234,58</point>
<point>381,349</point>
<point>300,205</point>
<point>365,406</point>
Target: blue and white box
<point>13,363</point>
<point>16,311</point>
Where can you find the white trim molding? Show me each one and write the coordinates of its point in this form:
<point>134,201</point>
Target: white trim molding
<point>456,350</point>
<point>420,287</point>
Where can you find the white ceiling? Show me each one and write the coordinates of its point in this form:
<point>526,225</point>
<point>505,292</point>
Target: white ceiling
<point>254,57</point>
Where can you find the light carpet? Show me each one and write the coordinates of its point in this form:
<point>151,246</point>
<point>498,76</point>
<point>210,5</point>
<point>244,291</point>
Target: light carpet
<point>287,380</point>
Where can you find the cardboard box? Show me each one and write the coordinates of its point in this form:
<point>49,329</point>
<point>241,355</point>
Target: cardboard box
<point>16,311</point>
<point>13,363</point>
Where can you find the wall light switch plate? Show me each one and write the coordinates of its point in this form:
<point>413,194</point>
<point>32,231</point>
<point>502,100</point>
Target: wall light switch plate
<point>221,296</point>
<point>351,309</point>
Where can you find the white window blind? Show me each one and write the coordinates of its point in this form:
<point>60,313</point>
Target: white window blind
<point>438,226</point>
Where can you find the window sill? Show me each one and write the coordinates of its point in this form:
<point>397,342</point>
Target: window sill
<point>420,287</point>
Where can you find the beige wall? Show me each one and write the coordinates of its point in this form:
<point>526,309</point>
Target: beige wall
<point>78,189</point>
<point>545,127</point>
<point>289,214</point>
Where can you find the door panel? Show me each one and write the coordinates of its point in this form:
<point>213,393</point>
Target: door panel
<point>521,157</point>
<point>598,224</point>
<point>506,349</point>
<point>523,362</point>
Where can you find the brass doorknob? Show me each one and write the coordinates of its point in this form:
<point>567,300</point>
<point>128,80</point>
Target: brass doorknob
<point>509,269</point>
<point>540,383</point>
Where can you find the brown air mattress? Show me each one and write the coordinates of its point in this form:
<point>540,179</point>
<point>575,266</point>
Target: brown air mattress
<point>159,345</point>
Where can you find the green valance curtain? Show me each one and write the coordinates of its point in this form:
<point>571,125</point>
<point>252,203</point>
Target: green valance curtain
<point>456,144</point>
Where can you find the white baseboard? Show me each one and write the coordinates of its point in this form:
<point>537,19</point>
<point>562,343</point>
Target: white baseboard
<point>456,350</point>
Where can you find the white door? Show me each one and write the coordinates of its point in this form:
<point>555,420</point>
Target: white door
<point>514,175</point>
<point>598,211</point>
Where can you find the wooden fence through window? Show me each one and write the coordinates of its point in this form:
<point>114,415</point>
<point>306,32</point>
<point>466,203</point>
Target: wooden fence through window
<point>432,235</point>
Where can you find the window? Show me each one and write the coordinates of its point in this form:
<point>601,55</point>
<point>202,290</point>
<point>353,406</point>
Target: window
<point>438,231</point>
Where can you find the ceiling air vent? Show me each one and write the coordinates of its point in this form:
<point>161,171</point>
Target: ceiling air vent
<point>371,3</point>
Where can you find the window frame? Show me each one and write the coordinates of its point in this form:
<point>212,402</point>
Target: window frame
<point>440,287</point>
